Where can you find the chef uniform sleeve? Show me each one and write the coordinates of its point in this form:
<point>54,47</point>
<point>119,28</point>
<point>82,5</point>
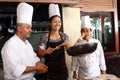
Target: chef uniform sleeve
<point>11,61</point>
<point>101,57</point>
<point>74,63</point>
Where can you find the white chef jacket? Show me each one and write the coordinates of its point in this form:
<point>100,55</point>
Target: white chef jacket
<point>89,65</point>
<point>17,55</point>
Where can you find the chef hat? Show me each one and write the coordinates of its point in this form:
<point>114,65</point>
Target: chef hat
<point>54,10</point>
<point>85,22</point>
<point>24,13</point>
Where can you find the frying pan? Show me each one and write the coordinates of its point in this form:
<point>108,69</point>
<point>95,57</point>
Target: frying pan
<point>85,48</point>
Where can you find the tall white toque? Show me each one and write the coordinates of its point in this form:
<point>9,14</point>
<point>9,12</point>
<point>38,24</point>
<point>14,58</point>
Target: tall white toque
<point>24,13</point>
<point>85,22</point>
<point>54,10</point>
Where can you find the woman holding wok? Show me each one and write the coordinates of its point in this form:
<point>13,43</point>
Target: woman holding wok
<point>52,46</point>
<point>89,64</point>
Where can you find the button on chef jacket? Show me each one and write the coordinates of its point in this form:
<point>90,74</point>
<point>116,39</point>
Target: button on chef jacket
<point>17,55</point>
<point>89,65</point>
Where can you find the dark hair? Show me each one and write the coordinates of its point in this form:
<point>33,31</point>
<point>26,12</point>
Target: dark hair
<point>51,18</point>
<point>82,30</point>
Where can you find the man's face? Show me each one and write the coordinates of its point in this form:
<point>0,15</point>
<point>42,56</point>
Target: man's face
<point>86,31</point>
<point>25,30</point>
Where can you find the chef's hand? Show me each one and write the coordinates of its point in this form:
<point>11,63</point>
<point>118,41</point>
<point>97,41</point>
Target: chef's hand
<point>103,72</point>
<point>81,37</point>
<point>40,67</point>
<point>74,75</point>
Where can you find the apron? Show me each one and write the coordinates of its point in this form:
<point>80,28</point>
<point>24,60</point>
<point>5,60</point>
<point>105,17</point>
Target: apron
<point>57,69</point>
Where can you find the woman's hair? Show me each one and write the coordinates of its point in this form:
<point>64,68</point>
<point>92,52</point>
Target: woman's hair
<point>51,18</point>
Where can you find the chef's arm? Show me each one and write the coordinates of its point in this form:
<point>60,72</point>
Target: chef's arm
<point>40,67</point>
<point>29,69</point>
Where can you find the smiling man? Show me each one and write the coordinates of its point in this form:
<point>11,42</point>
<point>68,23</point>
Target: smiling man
<point>19,59</point>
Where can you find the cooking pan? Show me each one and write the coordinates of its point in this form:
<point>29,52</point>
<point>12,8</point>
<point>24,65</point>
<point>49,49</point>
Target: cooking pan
<point>81,49</point>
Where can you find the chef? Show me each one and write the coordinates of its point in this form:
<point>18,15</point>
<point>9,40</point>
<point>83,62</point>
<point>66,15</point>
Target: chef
<point>19,59</point>
<point>89,65</point>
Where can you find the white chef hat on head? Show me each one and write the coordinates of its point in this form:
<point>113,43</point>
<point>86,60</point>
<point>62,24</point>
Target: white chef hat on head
<point>24,13</point>
<point>54,10</point>
<point>85,22</point>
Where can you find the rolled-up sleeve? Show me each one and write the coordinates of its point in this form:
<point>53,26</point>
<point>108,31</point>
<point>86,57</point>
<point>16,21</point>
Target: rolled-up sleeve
<point>36,58</point>
<point>19,71</point>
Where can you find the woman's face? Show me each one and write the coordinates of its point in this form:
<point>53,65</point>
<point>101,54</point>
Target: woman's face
<point>55,23</point>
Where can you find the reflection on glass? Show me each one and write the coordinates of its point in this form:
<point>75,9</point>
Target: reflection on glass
<point>108,31</point>
<point>97,32</point>
<point>40,26</point>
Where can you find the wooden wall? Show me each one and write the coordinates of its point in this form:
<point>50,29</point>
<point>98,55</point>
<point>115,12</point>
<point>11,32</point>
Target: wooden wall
<point>97,5</point>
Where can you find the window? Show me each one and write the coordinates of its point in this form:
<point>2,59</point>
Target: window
<point>103,25</point>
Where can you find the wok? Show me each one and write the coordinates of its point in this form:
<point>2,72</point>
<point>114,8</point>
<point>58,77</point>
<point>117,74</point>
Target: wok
<point>81,49</point>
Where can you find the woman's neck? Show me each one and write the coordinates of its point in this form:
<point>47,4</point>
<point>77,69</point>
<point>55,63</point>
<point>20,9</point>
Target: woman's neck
<point>54,32</point>
<point>54,35</point>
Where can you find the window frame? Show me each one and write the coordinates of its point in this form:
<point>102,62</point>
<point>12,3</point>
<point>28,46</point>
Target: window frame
<point>115,29</point>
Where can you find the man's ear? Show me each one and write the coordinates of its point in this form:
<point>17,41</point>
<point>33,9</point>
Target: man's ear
<point>19,28</point>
